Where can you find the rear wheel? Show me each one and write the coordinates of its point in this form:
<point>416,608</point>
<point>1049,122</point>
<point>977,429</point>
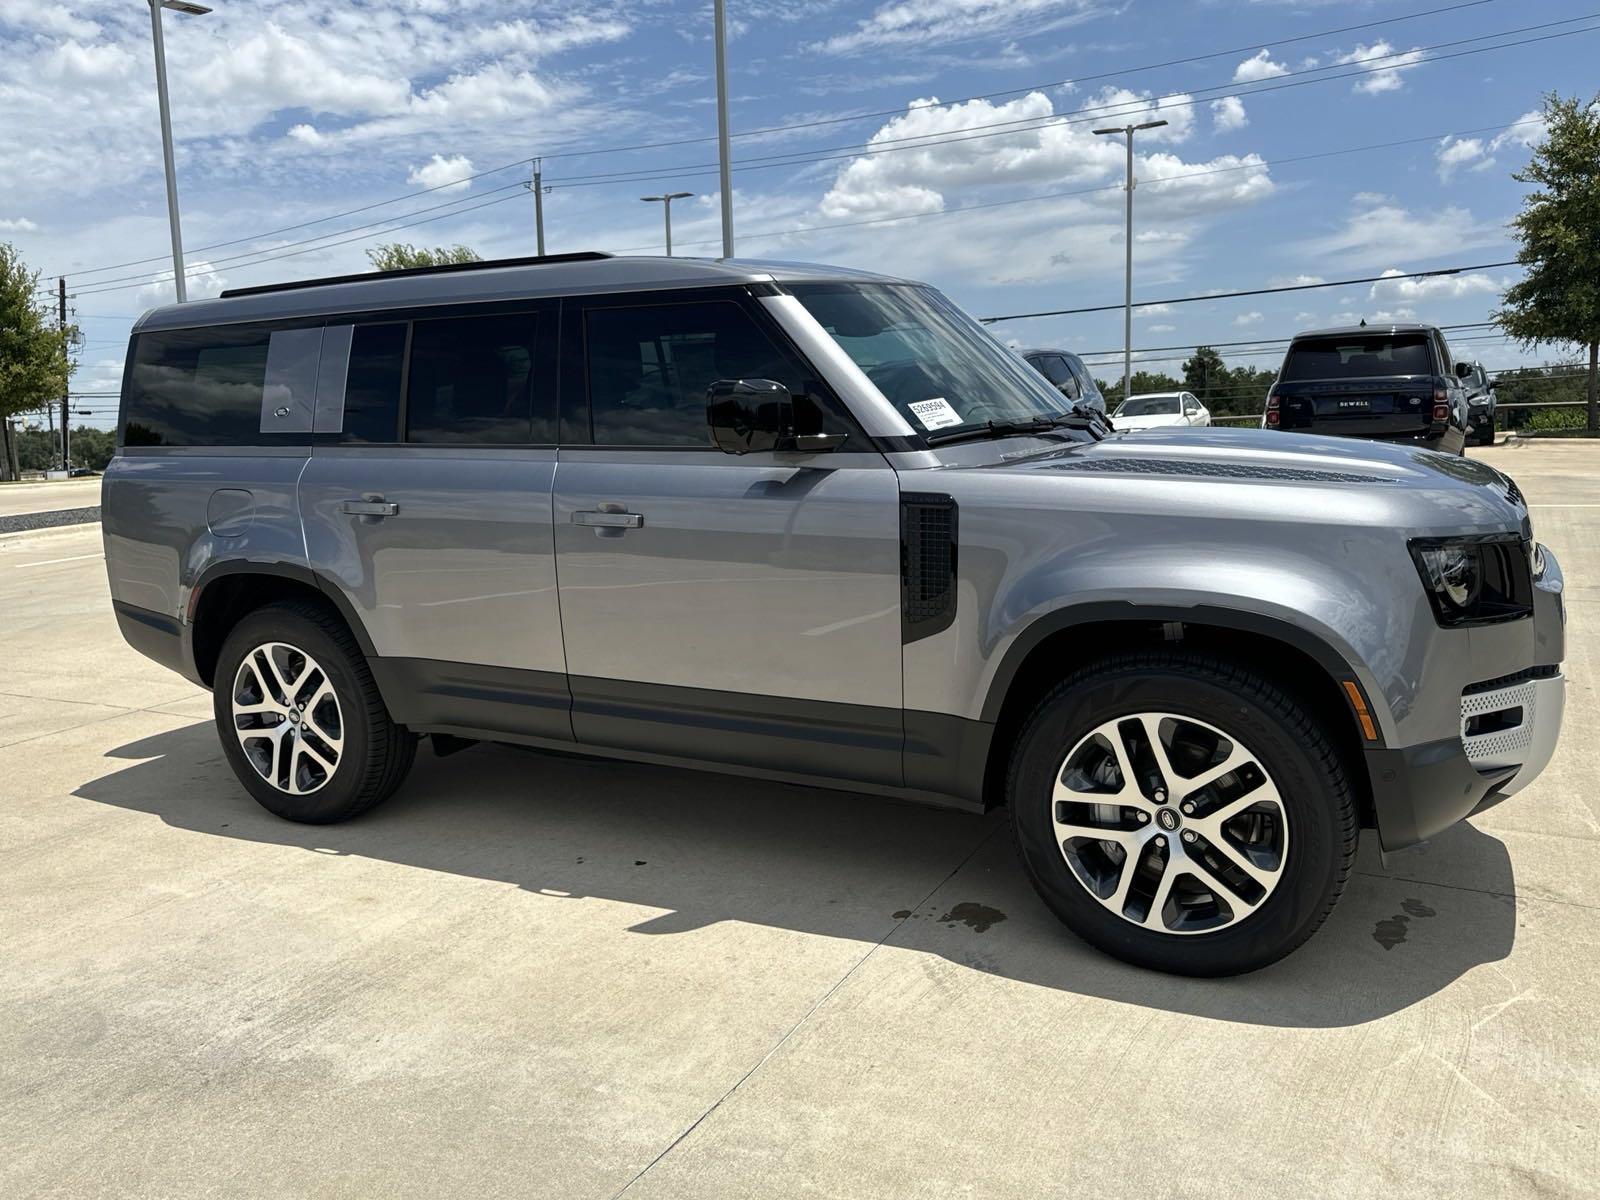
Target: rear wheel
<point>301,720</point>
<point>1182,813</point>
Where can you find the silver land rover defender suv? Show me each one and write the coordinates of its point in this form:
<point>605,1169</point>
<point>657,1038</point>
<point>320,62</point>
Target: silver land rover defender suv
<point>810,524</point>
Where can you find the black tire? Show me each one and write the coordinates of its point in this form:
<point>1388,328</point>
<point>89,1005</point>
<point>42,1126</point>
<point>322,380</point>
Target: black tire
<point>1310,776</point>
<point>376,754</point>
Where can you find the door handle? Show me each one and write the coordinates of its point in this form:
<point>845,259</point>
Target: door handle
<point>375,506</point>
<point>608,520</point>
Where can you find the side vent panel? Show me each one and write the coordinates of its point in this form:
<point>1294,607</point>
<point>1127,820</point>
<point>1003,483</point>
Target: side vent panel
<point>927,564</point>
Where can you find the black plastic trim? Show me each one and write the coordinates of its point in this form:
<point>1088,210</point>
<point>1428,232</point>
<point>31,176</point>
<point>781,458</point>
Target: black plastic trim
<point>929,564</point>
<point>287,570</point>
<point>428,694</point>
<point>156,636</point>
<point>1420,791</point>
<point>947,754</point>
<point>855,742</point>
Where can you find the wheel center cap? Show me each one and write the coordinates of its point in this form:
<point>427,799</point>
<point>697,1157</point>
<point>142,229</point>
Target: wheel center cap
<point>1167,818</point>
<point>294,716</point>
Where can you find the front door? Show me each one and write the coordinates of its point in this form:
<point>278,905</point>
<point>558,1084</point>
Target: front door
<point>735,609</point>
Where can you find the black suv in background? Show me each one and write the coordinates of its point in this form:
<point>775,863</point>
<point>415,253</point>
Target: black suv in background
<point>1393,383</point>
<point>1480,405</point>
<point>1068,375</point>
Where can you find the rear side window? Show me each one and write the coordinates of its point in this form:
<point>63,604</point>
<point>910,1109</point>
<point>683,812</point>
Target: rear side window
<point>472,381</point>
<point>1085,380</point>
<point>1057,370</point>
<point>649,368</point>
<point>373,382</point>
<point>1359,356</point>
<point>197,387</point>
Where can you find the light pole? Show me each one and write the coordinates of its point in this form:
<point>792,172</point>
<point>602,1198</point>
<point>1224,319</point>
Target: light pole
<point>666,211</point>
<point>1127,290</point>
<point>722,130</point>
<point>194,10</point>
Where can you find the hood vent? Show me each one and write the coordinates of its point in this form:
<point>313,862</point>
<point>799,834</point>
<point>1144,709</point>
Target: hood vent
<point>1213,470</point>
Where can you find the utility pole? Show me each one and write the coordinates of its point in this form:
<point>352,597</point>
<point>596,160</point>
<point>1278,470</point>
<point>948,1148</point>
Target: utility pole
<point>666,209</point>
<point>196,10</point>
<point>722,130</point>
<point>66,385</point>
<point>538,189</point>
<point>1127,284</point>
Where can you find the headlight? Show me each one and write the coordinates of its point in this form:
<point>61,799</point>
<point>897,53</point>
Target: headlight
<point>1474,580</point>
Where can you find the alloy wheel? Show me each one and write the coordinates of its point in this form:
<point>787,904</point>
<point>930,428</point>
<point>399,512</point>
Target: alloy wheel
<point>1170,822</point>
<point>287,718</point>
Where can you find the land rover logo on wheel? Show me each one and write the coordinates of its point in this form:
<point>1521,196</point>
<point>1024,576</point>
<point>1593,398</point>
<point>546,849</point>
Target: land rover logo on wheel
<point>1167,819</point>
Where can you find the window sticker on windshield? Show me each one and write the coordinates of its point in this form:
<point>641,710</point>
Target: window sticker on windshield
<point>935,413</point>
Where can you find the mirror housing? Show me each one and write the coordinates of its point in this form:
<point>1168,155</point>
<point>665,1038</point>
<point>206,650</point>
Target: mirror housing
<point>748,416</point>
<point>1463,369</point>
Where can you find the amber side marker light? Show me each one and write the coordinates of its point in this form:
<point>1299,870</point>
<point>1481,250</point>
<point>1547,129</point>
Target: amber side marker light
<point>1359,703</point>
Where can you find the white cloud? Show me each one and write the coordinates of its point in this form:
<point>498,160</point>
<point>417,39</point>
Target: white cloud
<point>1390,315</point>
<point>1389,63</point>
<point>1379,230</point>
<point>200,278</point>
<point>1249,318</point>
<point>1151,310</point>
<point>1477,154</point>
<point>306,134</point>
<point>1160,328</point>
<point>1432,287</point>
<point>906,24</point>
<point>17,225</point>
<point>443,174</point>
<point>1258,66</point>
<point>1227,114</point>
<point>1298,280</point>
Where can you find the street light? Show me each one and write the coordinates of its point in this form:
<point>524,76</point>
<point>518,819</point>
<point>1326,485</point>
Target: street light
<point>666,211</point>
<point>193,10</point>
<point>1127,292</point>
<point>724,169</point>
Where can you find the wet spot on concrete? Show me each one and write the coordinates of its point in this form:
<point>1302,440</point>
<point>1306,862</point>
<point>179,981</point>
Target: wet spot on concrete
<point>978,916</point>
<point>1390,932</point>
<point>1417,908</point>
<point>900,914</point>
<point>638,862</point>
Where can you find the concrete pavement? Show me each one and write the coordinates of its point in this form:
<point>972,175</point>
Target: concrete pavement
<point>538,975</point>
<point>48,495</point>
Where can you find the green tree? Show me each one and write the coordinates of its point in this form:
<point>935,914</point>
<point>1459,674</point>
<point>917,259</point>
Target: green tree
<point>395,256</point>
<point>35,355</point>
<point>1558,300</point>
<point>1143,381</point>
<point>93,448</point>
<point>1206,375</point>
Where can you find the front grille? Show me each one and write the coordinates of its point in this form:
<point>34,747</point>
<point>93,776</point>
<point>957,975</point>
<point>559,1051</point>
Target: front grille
<point>1497,724</point>
<point>1505,681</point>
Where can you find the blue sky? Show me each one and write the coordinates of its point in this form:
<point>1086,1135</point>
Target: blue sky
<point>286,112</point>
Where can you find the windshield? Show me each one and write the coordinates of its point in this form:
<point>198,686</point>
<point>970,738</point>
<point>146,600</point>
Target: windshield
<point>935,364</point>
<point>1359,356</point>
<point>1150,406</point>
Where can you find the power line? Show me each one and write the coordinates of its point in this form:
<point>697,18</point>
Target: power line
<point>1294,287</point>
<point>1366,68</point>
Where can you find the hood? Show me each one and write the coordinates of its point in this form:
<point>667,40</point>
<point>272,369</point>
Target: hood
<point>1156,422</point>
<point>1335,477</point>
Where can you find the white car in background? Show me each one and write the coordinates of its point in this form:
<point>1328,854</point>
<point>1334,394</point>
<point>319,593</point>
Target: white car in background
<point>1154,410</point>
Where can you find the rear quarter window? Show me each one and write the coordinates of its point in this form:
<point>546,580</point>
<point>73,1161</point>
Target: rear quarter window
<point>196,387</point>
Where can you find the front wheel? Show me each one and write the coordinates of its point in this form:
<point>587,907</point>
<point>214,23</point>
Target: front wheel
<point>1182,813</point>
<point>301,720</point>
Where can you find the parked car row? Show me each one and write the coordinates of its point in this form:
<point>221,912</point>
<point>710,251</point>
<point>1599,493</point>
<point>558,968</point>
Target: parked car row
<point>816,525</point>
<point>1394,383</point>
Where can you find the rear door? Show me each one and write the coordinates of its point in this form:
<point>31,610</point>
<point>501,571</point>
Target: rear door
<point>427,503</point>
<point>741,609</point>
<point>1359,385</point>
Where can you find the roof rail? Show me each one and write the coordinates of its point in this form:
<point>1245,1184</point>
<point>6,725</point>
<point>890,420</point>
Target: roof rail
<point>403,272</point>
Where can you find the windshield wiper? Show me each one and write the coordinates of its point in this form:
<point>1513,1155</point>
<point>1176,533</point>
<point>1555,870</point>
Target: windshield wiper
<point>993,429</point>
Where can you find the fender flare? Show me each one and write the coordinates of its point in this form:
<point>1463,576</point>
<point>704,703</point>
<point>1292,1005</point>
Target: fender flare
<point>1042,627</point>
<point>282,570</point>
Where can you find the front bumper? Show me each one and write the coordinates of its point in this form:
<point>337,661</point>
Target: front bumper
<point>1508,733</point>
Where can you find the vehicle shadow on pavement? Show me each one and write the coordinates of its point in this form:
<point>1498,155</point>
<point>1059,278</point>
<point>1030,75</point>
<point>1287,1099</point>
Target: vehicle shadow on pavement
<point>706,848</point>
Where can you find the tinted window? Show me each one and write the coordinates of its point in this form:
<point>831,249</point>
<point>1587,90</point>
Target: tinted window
<point>472,380</point>
<point>197,387</point>
<point>1054,368</point>
<point>372,387</point>
<point>649,368</point>
<point>1358,356</point>
<point>1085,380</point>
<point>1150,406</point>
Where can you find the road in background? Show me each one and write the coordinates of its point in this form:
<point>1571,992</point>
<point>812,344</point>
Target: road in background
<point>539,975</point>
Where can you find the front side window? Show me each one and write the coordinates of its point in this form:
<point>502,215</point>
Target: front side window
<point>650,367</point>
<point>472,382</point>
<point>1358,356</point>
<point>935,364</point>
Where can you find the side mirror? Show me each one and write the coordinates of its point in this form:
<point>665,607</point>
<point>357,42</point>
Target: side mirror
<point>748,416</point>
<point>1463,370</point>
